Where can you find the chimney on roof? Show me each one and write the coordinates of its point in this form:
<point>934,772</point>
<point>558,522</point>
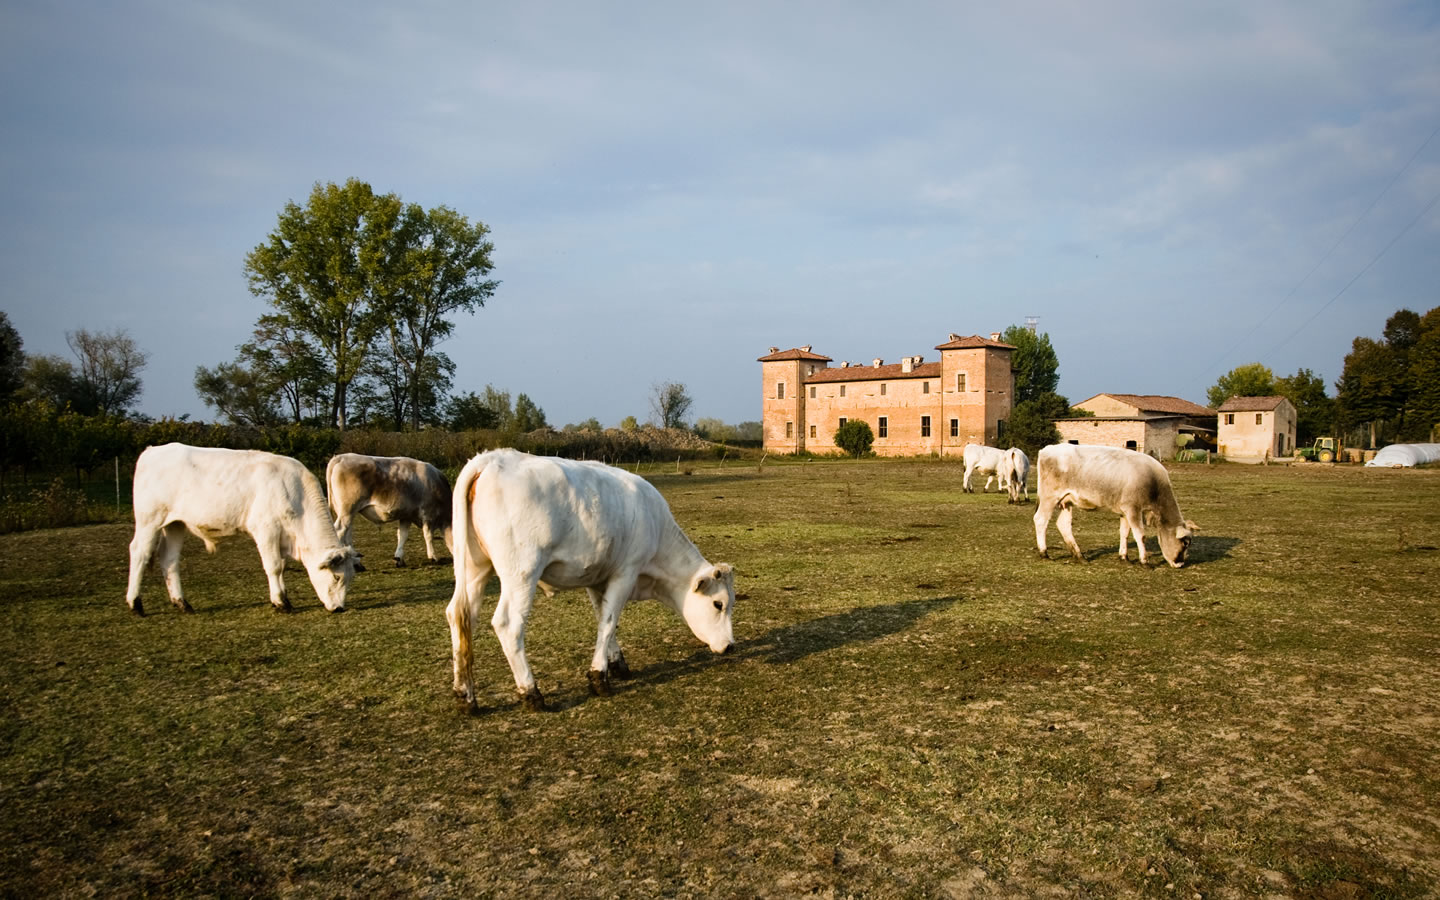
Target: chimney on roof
<point>954,336</point>
<point>994,335</point>
<point>805,349</point>
<point>907,365</point>
<point>879,362</point>
<point>774,349</point>
<point>844,364</point>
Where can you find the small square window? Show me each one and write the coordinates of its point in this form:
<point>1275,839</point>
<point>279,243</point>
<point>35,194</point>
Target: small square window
<point>883,427</point>
<point>1259,418</point>
<point>1130,445</point>
<point>812,392</point>
<point>812,431</point>
<point>924,387</point>
<point>842,390</point>
<point>1229,418</point>
<point>843,420</point>
<point>882,390</point>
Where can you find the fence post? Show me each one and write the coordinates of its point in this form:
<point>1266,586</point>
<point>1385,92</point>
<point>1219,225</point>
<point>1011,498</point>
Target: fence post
<point>117,485</point>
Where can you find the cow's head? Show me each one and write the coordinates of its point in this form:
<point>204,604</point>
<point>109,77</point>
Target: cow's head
<point>330,573</point>
<point>1175,543</point>
<point>708,605</point>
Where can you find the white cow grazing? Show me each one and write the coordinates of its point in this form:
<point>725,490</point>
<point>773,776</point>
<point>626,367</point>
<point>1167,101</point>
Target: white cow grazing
<point>1015,473</point>
<point>572,524</point>
<point>389,489</point>
<point>986,461</point>
<point>1077,476</point>
<point>213,493</point>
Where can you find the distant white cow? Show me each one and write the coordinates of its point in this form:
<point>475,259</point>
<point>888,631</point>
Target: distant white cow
<point>1077,476</point>
<point>572,524</point>
<point>389,489</point>
<point>1015,473</point>
<point>982,459</point>
<point>213,493</point>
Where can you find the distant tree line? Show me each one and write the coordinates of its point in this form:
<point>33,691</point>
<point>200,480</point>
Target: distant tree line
<point>1389,389</point>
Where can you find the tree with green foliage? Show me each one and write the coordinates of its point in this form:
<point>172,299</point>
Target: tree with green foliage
<point>244,395</point>
<point>528,415</point>
<point>1036,367</point>
<point>855,437</point>
<point>436,269</point>
<point>1032,422</point>
<point>468,412</point>
<point>50,379</point>
<point>1314,411</point>
<point>12,359</point>
<point>1424,359</point>
<point>629,423</point>
<point>109,368</point>
<point>670,403</point>
<point>1378,385</point>
<point>1249,380</point>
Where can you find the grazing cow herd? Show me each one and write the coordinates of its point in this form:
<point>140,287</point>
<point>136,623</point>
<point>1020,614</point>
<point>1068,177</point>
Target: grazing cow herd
<point>547,523</point>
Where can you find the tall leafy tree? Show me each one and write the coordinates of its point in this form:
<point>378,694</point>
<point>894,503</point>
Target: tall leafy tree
<point>52,380</point>
<point>437,268</point>
<point>1032,422</point>
<point>528,415</point>
<point>12,359</point>
<point>1314,410</point>
<point>244,395</point>
<point>1036,367</point>
<point>1424,359</point>
<point>1249,380</point>
<point>324,269</point>
<point>109,368</point>
<point>1377,385</point>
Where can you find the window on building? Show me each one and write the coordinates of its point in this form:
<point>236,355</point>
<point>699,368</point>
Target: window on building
<point>842,390</point>
<point>1259,418</point>
<point>1072,442</point>
<point>812,431</point>
<point>789,429</point>
<point>883,427</point>
<point>812,392</point>
<point>882,389</point>
<point>1229,418</point>
<point>843,420</point>
<point>924,426</point>
<point>924,387</point>
<point>1000,430</point>
<point>960,382</point>
<point>1130,445</point>
<point>954,427</point>
<point>779,390</point>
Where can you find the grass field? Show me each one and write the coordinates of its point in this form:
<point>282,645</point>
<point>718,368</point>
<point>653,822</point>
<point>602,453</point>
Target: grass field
<point>917,706</point>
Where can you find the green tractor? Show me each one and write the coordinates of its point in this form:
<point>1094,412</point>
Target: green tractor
<point>1325,449</point>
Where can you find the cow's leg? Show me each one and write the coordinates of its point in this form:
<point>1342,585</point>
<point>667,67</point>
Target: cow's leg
<point>272,559</point>
<point>345,525</point>
<point>1043,512</point>
<point>402,533</point>
<point>988,478</point>
<point>614,657</point>
<point>1135,523</point>
<point>517,596</point>
<point>170,564</point>
<point>965,482</point>
<point>142,548</point>
<point>1063,522</point>
<point>429,536</point>
<point>617,592</point>
<point>463,611</point>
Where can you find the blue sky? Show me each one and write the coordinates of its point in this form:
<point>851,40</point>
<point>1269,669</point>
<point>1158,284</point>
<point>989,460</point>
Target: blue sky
<point>673,188</point>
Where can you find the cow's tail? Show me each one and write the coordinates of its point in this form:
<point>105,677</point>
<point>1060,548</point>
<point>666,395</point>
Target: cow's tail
<point>461,526</point>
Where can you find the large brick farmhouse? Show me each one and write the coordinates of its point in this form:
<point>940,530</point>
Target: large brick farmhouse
<point>914,407</point>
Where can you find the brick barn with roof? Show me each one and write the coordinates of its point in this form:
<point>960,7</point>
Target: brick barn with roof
<point>913,407</point>
<point>1148,423</point>
<point>1256,428</point>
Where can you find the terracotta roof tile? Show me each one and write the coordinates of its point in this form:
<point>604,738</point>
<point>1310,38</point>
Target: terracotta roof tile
<point>796,353</point>
<point>973,342</point>
<point>1250,404</point>
<point>872,373</point>
<point>1160,404</point>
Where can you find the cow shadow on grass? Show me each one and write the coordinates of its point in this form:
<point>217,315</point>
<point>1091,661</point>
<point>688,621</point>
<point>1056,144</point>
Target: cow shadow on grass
<point>1202,550</point>
<point>791,643</point>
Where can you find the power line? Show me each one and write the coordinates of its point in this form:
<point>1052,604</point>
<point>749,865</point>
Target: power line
<point>1325,256</point>
<point>1372,262</point>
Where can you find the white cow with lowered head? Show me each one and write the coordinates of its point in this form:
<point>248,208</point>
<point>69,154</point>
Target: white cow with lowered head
<point>986,461</point>
<point>213,492</point>
<point>1080,476</point>
<point>529,519</point>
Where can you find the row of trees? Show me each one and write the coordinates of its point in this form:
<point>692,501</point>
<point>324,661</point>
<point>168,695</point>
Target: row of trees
<point>103,380</point>
<point>362,287</point>
<point>1389,389</point>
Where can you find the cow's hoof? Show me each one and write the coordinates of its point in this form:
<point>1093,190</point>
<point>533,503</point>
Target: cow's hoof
<point>599,683</point>
<point>399,563</point>
<point>359,566</point>
<point>138,608</point>
<point>619,668</point>
<point>283,606</point>
<point>533,700</point>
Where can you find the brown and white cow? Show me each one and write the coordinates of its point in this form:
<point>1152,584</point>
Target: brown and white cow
<point>389,489</point>
<point>1079,476</point>
<point>213,492</point>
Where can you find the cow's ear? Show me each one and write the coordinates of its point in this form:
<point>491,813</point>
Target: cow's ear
<point>336,558</point>
<point>1191,525</point>
<point>724,572</point>
<point>701,584</point>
